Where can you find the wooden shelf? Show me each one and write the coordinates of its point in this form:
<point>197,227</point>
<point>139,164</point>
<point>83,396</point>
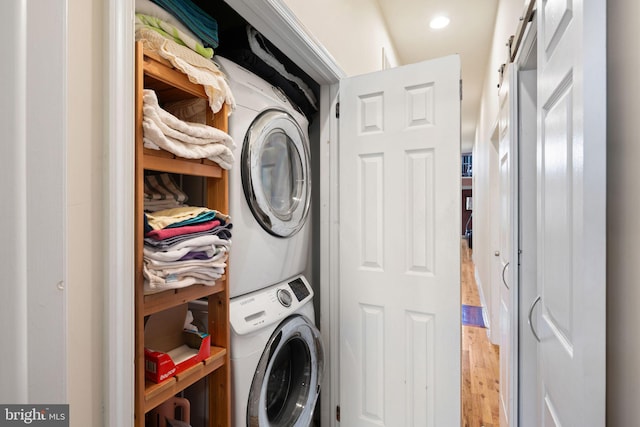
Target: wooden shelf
<point>153,72</point>
<point>164,161</point>
<point>156,393</point>
<point>154,303</point>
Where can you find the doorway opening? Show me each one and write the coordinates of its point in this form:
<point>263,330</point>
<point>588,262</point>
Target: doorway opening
<point>482,372</point>
<point>479,357</point>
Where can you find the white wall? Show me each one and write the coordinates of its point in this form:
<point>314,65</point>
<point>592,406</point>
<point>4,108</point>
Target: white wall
<point>353,32</point>
<point>85,209</point>
<point>623,212</point>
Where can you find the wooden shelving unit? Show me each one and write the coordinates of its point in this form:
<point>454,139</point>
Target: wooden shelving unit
<point>170,84</point>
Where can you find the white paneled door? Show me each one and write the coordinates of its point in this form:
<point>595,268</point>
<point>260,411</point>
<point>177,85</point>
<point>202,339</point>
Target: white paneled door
<point>400,246</point>
<point>571,211</point>
<point>508,253</point>
<point>505,168</point>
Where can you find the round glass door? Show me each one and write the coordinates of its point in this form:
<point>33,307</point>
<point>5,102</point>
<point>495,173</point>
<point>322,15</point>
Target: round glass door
<point>275,173</point>
<point>286,384</point>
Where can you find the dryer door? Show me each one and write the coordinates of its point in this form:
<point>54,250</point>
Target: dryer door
<point>276,173</point>
<point>287,380</point>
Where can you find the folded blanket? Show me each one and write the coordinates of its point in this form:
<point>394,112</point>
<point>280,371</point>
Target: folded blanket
<point>222,232</point>
<point>157,284</point>
<point>196,19</point>
<point>173,266</point>
<point>212,252</point>
<point>179,254</point>
<point>167,277</point>
<point>199,70</point>
<point>170,125</point>
<point>200,239</point>
<point>172,32</point>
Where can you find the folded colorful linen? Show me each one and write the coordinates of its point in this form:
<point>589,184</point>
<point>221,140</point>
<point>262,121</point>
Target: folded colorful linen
<point>220,233</point>
<point>196,19</point>
<point>147,7</point>
<point>161,219</point>
<point>170,31</point>
<point>166,233</point>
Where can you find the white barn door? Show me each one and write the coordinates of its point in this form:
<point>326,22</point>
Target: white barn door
<point>571,211</point>
<point>507,167</point>
<point>400,246</point>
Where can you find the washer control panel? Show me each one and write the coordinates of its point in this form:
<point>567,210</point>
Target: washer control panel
<point>261,308</point>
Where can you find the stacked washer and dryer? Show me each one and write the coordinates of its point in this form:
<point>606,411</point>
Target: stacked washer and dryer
<point>276,350</point>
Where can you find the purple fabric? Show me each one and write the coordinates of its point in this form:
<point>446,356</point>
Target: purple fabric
<point>195,255</point>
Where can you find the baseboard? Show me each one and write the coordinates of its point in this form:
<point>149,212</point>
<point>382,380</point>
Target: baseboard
<point>485,308</point>
<point>483,301</point>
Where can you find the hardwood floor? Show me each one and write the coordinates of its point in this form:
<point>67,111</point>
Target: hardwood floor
<point>479,359</point>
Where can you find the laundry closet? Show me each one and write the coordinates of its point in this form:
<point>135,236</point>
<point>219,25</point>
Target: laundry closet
<point>225,317</point>
<point>381,239</point>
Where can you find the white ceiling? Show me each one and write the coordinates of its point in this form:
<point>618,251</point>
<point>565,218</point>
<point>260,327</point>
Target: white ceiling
<point>469,34</point>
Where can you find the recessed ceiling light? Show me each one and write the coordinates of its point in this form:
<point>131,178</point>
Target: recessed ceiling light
<point>439,22</point>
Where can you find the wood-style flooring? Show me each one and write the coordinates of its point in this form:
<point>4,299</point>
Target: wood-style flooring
<point>479,359</point>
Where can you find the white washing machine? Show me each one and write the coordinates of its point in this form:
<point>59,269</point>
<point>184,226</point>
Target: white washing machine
<point>277,356</point>
<point>269,185</point>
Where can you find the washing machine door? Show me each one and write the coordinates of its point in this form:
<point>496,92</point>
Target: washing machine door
<point>286,384</point>
<point>276,174</point>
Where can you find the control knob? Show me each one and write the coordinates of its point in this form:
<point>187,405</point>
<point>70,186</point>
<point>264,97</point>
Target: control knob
<point>284,296</point>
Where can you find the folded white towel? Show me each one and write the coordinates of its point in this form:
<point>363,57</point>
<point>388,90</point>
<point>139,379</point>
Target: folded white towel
<point>170,125</point>
<point>218,153</point>
<point>177,254</point>
<point>189,110</point>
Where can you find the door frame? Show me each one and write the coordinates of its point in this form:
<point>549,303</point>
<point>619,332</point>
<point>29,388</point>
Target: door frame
<point>276,21</point>
<point>118,273</point>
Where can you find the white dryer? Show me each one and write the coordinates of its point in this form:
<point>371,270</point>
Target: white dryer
<point>269,185</point>
<point>277,356</point>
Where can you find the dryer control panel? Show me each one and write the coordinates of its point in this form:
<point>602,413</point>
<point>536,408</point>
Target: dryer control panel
<point>259,309</point>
